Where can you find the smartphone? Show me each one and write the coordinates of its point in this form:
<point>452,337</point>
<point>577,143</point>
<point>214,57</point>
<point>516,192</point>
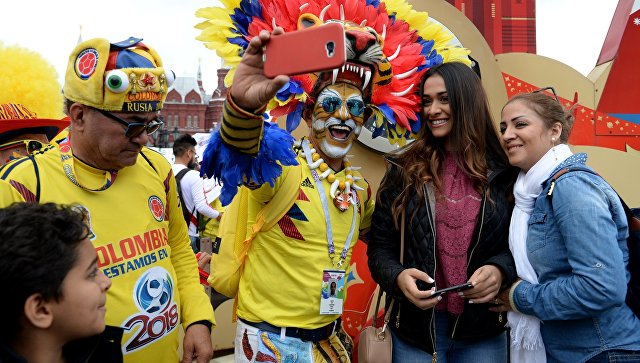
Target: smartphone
<point>305,51</point>
<point>457,288</point>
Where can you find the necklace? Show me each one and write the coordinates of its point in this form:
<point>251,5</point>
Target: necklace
<point>340,190</point>
<point>66,157</point>
<point>327,216</point>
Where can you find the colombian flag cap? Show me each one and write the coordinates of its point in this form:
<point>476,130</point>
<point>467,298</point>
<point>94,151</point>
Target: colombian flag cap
<point>127,76</point>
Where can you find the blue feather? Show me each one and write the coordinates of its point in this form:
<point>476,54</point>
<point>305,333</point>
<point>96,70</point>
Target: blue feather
<point>416,125</point>
<point>427,47</point>
<point>252,8</point>
<point>292,87</point>
<point>293,118</point>
<point>375,3</point>
<point>388,113</point>
<point>232,168</point>
<point>239,41</point>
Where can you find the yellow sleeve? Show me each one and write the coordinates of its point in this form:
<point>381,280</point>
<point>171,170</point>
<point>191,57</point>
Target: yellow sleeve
<point>367,213</point>
<point>367,204</point>
<point>8,195</point>
<point>194,302</point>
<point>19,182</point>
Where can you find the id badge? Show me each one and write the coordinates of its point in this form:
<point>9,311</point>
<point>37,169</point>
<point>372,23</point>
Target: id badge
<point>333,292</point>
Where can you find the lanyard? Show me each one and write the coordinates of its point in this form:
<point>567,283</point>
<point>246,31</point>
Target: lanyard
<point>327,217</point>
<point>66,157</point>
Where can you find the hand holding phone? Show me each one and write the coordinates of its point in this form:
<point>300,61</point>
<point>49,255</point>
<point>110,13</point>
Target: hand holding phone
<point>304,51</point>
<point>456,288</point>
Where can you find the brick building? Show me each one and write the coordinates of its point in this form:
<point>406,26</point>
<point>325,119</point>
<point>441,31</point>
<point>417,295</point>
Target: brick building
<point>189,110</point>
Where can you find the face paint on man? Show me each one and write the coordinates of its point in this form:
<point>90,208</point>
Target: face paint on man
<point>337,118</point>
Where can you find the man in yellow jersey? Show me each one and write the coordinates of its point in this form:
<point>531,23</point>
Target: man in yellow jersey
<point>292,286</point>
<point>113,93</point>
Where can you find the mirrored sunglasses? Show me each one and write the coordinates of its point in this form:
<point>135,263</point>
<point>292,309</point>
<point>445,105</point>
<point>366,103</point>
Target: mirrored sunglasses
<point>134,129</point>
<point>29,145</point>
<point>331,104</point>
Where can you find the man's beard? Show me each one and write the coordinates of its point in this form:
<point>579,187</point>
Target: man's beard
<point>192,164</point>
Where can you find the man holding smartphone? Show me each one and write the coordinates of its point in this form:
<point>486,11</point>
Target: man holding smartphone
<point>302,251</point>
<point>284,297</point>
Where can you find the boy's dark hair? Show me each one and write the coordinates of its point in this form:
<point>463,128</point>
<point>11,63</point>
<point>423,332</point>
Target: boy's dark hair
<point>38,247</point>
<point>183,143</point>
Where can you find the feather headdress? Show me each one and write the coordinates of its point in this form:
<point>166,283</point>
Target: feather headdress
<point>389,46</point>
<point>410,42</point>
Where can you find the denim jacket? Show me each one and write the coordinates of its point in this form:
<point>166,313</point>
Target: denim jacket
<point>577,246</point>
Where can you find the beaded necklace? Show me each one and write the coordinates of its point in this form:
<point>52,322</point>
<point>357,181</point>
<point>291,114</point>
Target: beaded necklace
<point>340,190</point>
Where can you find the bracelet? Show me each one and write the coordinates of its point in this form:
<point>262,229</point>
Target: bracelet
<point>512,290</point>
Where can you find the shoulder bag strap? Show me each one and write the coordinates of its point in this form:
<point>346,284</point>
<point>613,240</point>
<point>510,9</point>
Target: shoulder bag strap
<point>188,216</point>
<point>387,315</point>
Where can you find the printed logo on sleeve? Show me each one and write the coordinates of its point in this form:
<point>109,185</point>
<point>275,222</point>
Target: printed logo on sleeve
<point>157,208</point>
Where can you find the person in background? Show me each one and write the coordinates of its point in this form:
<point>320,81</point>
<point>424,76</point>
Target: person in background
<point>569,244</point>
<point>54,294</point>
<point>210,226</point>
<point>453,187</point>
<point>191,187</point>
<point>113,93</point>
<point>30,103</point>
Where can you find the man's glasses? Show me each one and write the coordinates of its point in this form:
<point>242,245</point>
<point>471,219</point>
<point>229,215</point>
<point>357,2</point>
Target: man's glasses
<point>29,145</point>
<point>134,129</point>
<point>553,90</point>
<point>331,104</point>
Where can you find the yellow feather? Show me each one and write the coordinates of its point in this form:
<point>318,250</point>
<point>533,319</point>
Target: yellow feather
<point>428,29</point>
<point>230,4</point>
<point>29,79</point>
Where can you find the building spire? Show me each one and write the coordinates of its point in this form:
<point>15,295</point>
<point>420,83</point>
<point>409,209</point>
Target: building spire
<point>80,35</point>
<point>199,77</point>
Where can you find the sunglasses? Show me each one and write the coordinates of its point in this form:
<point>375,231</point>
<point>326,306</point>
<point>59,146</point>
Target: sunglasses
<point>29,145</point>
<point>134,129</point>
<point>553,90</point>
<point>332,103</point>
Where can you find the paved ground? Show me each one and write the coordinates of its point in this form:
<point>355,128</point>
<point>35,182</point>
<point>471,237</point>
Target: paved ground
<point>224,359</point>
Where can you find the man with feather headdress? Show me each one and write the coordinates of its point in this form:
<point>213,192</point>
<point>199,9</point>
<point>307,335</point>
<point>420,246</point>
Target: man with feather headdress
<point>284,304</point>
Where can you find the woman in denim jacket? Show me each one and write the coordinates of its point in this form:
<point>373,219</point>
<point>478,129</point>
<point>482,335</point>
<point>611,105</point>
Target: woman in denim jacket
<point>570,247</point>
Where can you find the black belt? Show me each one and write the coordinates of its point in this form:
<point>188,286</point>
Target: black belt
<point>308,335</point>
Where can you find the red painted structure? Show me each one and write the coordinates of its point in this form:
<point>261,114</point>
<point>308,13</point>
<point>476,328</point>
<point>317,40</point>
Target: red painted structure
<point>507,25</point>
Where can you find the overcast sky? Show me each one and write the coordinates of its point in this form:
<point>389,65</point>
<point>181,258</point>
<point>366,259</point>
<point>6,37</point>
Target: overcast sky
<point>571,31</point>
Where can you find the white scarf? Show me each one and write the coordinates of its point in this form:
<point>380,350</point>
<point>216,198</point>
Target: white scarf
<point>526,341</point>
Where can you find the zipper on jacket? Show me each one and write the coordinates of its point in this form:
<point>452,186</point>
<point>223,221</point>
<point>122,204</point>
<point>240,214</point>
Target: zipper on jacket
<point>431,218</point>
<point>484,204</point>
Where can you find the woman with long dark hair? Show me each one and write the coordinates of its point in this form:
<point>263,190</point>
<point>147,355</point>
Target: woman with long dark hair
<point>453,186</point>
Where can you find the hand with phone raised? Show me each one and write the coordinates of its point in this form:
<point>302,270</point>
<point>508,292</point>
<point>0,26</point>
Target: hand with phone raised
<point>252,89</point>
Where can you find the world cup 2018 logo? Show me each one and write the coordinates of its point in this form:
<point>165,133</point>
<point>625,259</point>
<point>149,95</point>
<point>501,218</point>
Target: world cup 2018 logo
<point>158,315</point>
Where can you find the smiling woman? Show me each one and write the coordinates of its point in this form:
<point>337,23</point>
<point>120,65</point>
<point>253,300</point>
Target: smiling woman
<point>444,181</point>
<point>559,228</point>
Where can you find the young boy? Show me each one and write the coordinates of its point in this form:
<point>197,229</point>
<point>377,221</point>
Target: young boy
<point>53,298</point>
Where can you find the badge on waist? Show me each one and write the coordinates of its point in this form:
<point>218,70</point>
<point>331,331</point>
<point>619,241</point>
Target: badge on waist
<point>333,292</point>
